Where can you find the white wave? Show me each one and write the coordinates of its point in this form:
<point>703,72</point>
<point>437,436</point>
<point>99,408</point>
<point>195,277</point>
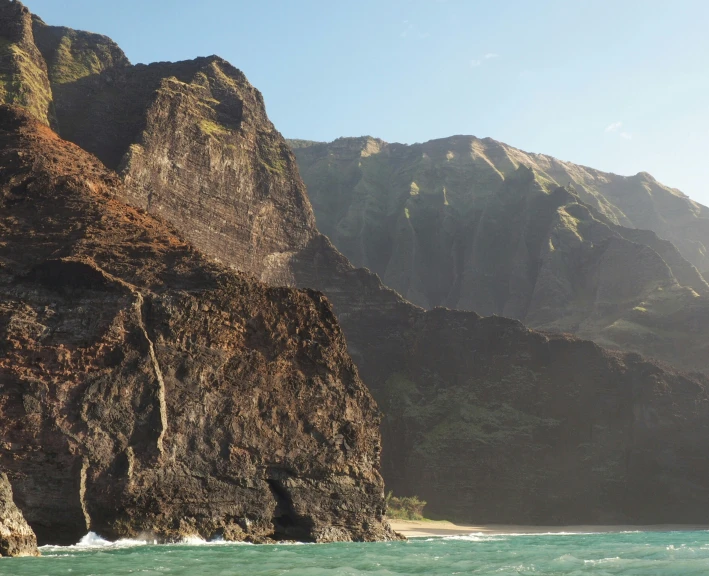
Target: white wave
<point>194,540</point>
<point>487,536</point>
<point>475,537</point>
<point>93,541</point>
<point>602,560</point>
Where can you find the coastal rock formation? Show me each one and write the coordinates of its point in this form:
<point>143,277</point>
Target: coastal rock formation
<point>194,144</point>
<point>525,418</point>
<point>192,141</point>
<point>513,426</point>
<point>489,421</point>
<point>16,537</point>
<point>148,390</point>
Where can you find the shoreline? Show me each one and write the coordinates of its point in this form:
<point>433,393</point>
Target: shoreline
<point>428,528</point>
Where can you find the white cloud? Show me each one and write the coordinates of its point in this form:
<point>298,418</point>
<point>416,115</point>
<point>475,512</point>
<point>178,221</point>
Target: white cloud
<point>411,30</point>
<point>479,61</point>
<point>615,128</point>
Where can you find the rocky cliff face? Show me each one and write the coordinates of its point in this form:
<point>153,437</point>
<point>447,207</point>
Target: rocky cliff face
<point>488,397</point>
<point>16,537</point>
<point>145,389</point>
<point>468,224</point>
<point>509,425</point>
<point>492,422</point>
<point>360,186</point>
<point>191,139</point>
<point>23,72</point>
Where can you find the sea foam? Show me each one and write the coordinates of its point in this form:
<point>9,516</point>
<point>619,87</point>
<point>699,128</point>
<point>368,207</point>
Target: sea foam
<point>93,541</point>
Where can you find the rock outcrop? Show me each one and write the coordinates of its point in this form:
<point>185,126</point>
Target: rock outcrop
<point>145,389</point>
<point>169,129</point>
<point>489,421</point>
<point>23,72</point>
<point>16,537</point>
<point>509,414</point>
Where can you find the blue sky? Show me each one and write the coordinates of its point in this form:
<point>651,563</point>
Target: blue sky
<point>619,85</point>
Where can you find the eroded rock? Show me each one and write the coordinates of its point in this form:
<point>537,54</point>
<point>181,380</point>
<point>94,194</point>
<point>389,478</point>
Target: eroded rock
<point>16,537</point>
<point>148,390</point>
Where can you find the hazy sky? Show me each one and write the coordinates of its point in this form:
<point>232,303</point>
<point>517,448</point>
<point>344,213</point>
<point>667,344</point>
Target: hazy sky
<point>620,85</point>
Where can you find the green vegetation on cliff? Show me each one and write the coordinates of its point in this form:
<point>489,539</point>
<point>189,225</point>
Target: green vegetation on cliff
<point>23,72</point>
<point>477,225</point>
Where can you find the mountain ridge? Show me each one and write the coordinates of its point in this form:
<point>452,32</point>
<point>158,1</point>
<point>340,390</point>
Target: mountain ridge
<point>444,228</point>
<point>590,182</point>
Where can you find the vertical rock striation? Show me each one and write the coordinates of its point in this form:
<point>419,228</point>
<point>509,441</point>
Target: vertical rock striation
<point>359,188</point>
<point>476,225</point>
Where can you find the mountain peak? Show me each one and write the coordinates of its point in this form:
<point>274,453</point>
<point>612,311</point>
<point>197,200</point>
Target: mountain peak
<point>23,72</point>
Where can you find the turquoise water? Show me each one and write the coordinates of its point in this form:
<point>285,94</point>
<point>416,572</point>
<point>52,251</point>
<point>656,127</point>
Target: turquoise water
<point>629,554</point>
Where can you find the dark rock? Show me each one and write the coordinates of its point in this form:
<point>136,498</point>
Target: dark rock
<point>147,390</point>
<point>16,537</point>
<point>386,337</point>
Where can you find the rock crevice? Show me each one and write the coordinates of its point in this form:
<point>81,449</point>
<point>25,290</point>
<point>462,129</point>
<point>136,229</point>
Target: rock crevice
<point>140,305</point>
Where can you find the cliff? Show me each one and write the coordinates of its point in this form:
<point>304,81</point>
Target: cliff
<point>513,426</point>
<point>23,72</point>
<point>356,183</point>
<point>16,537</point>
<point>474,225</point>
<point>489,421</point>
<point>488,401</point>
<point>146,389</point>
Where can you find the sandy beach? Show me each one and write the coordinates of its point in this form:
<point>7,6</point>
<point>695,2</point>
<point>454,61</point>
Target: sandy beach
<point>423,528</point>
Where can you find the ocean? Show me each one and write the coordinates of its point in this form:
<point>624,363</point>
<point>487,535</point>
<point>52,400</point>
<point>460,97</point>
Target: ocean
<point>628,553</point>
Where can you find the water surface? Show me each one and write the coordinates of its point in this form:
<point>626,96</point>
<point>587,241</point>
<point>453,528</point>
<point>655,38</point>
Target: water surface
<point>627,554</point>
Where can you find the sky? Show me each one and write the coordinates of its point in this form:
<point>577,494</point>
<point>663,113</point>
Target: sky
<point>619,85</point>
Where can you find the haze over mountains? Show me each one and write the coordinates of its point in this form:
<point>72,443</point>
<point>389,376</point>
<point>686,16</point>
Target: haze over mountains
<point>479,225</point>
<point>142,341</point>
